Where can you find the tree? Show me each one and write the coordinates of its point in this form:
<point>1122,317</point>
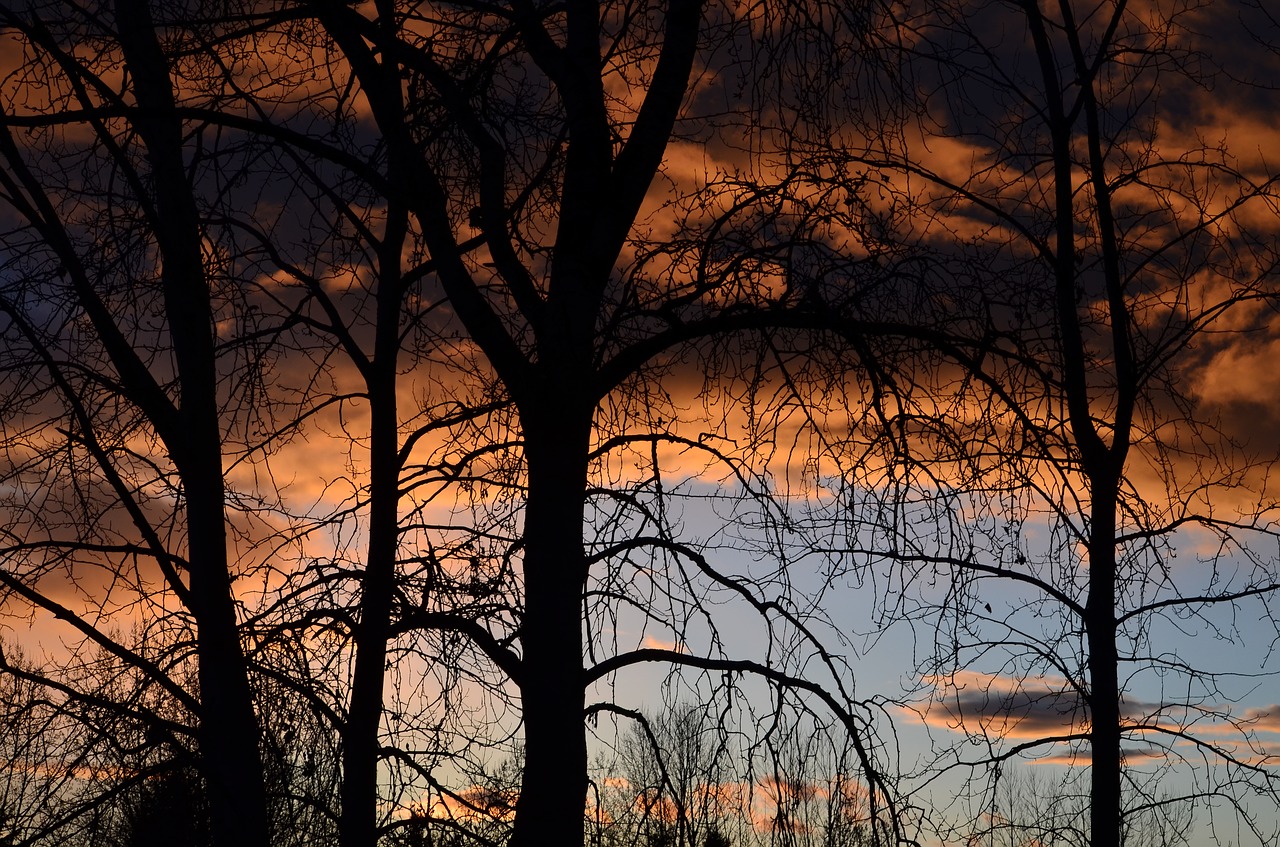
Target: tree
<point>226,232</point>
<point>487,208</point>
<point>167,809</point>
<point>1087,249</point>
<point>687,776</point>
<point>496,161</point>
<point>120,402</point>
<point>29,734</point>
<point>669,765</point>
<point>1030,807</point>
<point>527,177</point>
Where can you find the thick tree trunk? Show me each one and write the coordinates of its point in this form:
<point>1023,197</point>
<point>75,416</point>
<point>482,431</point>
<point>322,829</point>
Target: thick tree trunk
<point>1105,809</point>
<point>551,807</point>
<point>228,729</point>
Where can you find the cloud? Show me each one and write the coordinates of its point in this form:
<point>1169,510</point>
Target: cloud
<point>772,803</point>
<point>1133,755</point>
<point>801,806</point>
<point>653,643</point>
<point>1241,374</point>
<point>998,706</point>
<point>1005,707</point>
<point>1263,718</point>
<point>474,803</point>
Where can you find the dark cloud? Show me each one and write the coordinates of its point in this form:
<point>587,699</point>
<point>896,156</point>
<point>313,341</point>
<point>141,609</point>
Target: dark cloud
<point>1030,708</point>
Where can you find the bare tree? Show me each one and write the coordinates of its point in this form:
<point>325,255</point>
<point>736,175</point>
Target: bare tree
<point>690,776</point>
<point>521,145</point>
<point>1087,252</point>
<point>277,336</point>
<point>555,322</point>
<point>122,395</point>
<point>670,766</point>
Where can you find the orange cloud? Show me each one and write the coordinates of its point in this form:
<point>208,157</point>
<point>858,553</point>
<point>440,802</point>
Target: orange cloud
<point>475,803</point>
<point>1263,719</point>
<point>655,643</point>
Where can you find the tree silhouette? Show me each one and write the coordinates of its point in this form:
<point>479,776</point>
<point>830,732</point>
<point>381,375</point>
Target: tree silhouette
<point>1086,254</point>
<point>527,178</point>
<point>167,809</point>
<point>117,378</point>
<point>422,375</point>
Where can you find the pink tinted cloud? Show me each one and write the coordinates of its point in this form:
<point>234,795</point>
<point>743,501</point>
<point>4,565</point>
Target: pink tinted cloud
<point>1263,718</point>
<point>473,804</point>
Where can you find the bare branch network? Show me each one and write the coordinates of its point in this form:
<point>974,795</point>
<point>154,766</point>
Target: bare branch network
<point>682,424</point>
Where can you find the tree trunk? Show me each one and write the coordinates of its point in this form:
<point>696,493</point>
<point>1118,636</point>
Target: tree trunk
<point>1102,464</point>
<point>357,826</point>
<point>358,822</point>
<point>228,730</point>
<point>1105,810</point>
<point>551,807</point>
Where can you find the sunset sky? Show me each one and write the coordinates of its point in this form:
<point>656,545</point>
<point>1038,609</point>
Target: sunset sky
<point>749,497</point>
